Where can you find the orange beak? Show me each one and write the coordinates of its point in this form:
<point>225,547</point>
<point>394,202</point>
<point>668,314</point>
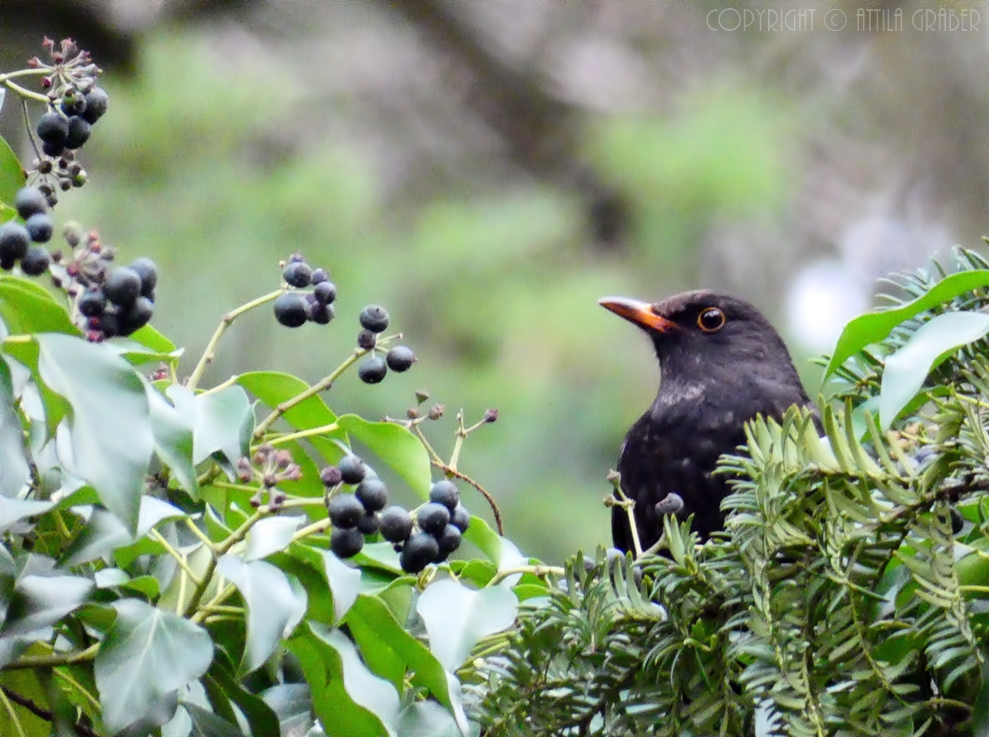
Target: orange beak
<point>637,312</point>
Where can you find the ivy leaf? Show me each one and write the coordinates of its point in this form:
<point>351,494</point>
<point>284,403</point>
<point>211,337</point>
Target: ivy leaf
<point>344,581</point>
<point>14,469</point>
<point>104,532</point>
<point>224,422</point>
<point>173,428</point>
<point>500,550</point>
<point>207,724</point>
<point>428,719</point>
<point>271,535</point>
<point>396,446</point>
<point>147,655</point>
<point>907,369</point>
<point>111,434</point>
<point>875,327</point>
<point>272,604</point>
<point>28,309</point>
<point>41,601</point>
<point>456,617</point>
<point>372,623</point>
<point>11,172</point>
<point>292,703</point>
<point>348,699</point>
<point>14,510</point>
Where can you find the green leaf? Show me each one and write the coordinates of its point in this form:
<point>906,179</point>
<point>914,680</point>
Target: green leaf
<point>875,327</point>
<point>907,369</point>
<point>14,469</point>
<point>500,550</point>
<point>349,700</point>
<point>344,581</point>
<point>371,623</point>
<point>173,430</point>
<point>207,724</point>
<point>274,607</point>
<point>14,510</point>
<point>427,719</point>
<point>221,420</point>
<point>396,446</point>
<point>155,342</point>
<point>27,309</point>
<point>111,434</point>
<point>147,656</point>
<point>104,532</point>
<point>271,535</point>
<point>260,717</point>
<point>12,176</point>
<point>27,354</point>
<point>41,601</point>
<point>456,617</point>
<point>292,703</point>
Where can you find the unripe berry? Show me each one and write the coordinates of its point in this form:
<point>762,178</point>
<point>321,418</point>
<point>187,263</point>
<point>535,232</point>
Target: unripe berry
<point>330,476</point>
<point>366,339</point>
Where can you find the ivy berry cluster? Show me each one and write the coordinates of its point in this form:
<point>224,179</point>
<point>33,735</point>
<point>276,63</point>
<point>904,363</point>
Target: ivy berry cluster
<point>294,309</point>
<point>374,368</point>
<point>427,535</point>
<point>21,239</point>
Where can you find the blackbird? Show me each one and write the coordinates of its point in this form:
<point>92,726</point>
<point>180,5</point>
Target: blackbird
<point>721,363</point>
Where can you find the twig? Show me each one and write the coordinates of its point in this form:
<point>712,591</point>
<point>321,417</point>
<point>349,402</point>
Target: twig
<point>537,570</point>
<point>42,713</point>
<point>464,477</point>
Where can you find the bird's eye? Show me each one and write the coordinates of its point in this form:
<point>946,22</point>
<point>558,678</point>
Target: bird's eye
<point>711,320</point>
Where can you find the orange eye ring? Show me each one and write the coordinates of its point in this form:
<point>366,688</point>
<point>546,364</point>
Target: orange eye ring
<point>711,320</point>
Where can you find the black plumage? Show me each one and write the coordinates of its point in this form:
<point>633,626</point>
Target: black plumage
<point>721,363</point>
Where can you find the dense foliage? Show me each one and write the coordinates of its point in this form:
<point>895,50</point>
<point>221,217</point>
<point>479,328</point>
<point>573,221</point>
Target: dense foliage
<point>166,561</point>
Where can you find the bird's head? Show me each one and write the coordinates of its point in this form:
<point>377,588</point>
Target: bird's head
<point>702,335</point>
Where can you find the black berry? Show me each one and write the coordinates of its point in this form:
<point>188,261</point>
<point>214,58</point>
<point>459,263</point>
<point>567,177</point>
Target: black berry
<point>369,524</point>
<point>321,314</point>
<point>36,261</point>
<point>345,510</point>
<point>91,303</point>
<point>291,310</point>
<point>374,318</point>
<point>420,550</point>
<point>449,540</point>
<point>446,493</point>
<point>396,524</point>
<point>319,276</point>
<point>346,542</point>
<point>110,324</point>
<point>460,518</point>
<point>330,476</point>
<point>123,287</point>
<point>96,104</point>
<point>352,469</point>
<point>372,370</point>
<point>53,128</point>
<point>366,339</point>
<point>30,201</point>
<point>400,358</point>
<point>73,103</point>
<point>147,271</point>
<point>433,518</point>
<point>373,494</point>
<point>53,149</point>
<point>79,132</point>
<point>297,274</point>
<point>14,241</point>
<point>136,316</point>
<point>39,227</point>
<point>325,292</point>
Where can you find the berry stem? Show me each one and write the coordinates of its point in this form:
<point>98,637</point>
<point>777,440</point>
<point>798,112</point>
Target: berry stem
<point>37,153</point>
<point>458,443</point>
<point>320,386</point>
<point>179,558</point>
<point>210,353</point>
<point>289,437</point>
<point>629,506</point>
<point>314,528</point>
<point>23,91</point>
<point>537,570</point>
<point>53,661</point>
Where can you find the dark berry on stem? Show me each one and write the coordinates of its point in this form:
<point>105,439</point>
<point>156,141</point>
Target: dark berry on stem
<point>14,241</point>
<point>39,227</point>
<point>374,318</point>
<point>445,492</point>
<point>96,104</point>
<point>400,358</point>
<point>136,316</point>
<point>373,494</point>
<point>110,323</point>
<point>352,469</point>
<point>147,271</point>
<point>321,314</point>
<point>36,262</point>
<point>366,339</point>
<point>396,524</point>
<point>291,309</point>
<point>372,370</point>
<point>73,103</point>
<point>345,510</point>
<point>79,133</point>
<point>53,129</point>
<point>325,292</point>
<point>346,542</point>
<point>369,524</point>
<point>30,201</point>
<point>319,276</point>
<point>420,550</point>
<point>433,518</point>
<point>460,518</point>
<point>330,476</point>
<point>449,540</point>
<point>297,274</point>
<point>7,263</point>
<point>123,287</point>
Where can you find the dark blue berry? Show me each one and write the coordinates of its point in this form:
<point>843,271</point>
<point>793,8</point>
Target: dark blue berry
<point>400,358</point>
<point>147,271</point>
<point>53,128</point>
<point>123,286</point>
<point>30,201</point>
<point>373,494</point>
<point>79,133</point>
<point>96,104</point>
<point>352,469</point>
<point>418,552</point>
<point>372,370</point>
<point>291,309</point>
<point>449,541</point>
<point>460,518</point>
<point>297,274</point>
<point>36,261</point>
<point>14,241</point>
<point>433,518</point>
<point>91,303</point>
<point>396,524</point>
<point>445,492</point>
<point>325,292</point>
<point>319,276</point>
<point>346,542</point>
<point>136,316</point>
<point>39,227</point>
<point>345,510</point>
<point>374,318</point>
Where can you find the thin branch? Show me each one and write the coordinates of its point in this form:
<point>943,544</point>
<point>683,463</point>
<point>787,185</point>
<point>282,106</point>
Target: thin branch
<point>81,729</point>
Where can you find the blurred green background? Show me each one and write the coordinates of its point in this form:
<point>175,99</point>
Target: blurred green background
<point>487,171</point>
